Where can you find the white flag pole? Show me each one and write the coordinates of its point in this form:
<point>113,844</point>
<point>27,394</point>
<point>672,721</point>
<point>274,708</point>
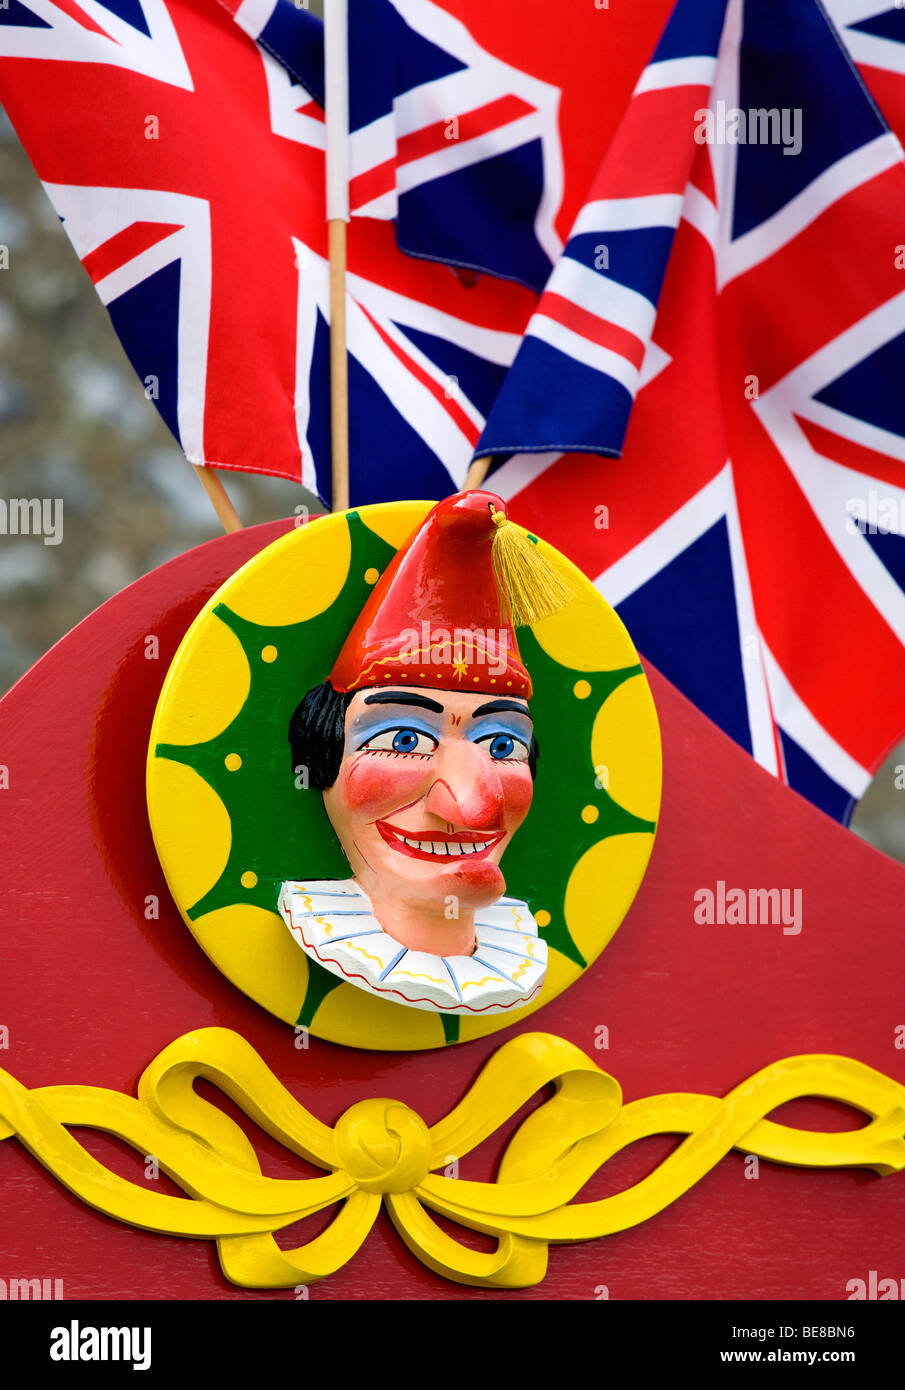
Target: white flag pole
<point>336,94</point>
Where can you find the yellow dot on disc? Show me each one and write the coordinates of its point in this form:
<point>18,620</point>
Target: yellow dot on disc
<point>372,575</point>
<point>581,690</point>
<point>269,654</point>
<point>542,918</point>
<point>249,879</point>
<point>233,762</point>
<point>589,814</point>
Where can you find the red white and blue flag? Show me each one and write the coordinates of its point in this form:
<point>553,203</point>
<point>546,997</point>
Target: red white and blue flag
<point>187,166</point>
<point>727,315</point>
<point>739,274</point>
<point>873,31</point>
<point>182,143</point>
<point>460,148</point>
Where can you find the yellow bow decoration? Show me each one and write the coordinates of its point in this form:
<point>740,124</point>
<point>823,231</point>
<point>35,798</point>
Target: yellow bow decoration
<point>381,1150</point>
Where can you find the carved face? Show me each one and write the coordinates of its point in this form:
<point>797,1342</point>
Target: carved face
<point>431,789</point>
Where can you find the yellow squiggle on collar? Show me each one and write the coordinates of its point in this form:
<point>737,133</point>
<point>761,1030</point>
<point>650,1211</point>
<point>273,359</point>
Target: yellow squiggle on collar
<point>367,955</point>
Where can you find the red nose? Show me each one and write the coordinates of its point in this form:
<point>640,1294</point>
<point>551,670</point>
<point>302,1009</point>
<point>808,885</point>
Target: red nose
<point>467,791</point>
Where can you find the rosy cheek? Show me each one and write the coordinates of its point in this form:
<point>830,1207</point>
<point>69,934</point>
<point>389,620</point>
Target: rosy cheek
<point>373,785</point>
<point>518,789</point>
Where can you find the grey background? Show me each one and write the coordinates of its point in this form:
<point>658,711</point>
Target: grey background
<point>75,424</point>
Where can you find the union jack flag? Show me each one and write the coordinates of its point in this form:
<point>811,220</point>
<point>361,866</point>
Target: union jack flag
<point>182,143</point>
<point>747,297</point>
<point>461,149</point>
<point>187,165</point>
<point>740,269</point>
<point>873,31</point>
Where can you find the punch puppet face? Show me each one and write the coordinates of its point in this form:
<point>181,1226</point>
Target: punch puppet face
<point>423,739</point>
<point>432,786</point>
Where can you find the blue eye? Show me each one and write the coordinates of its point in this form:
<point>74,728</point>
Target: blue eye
<point>502,747</point>
<point>404,740</point>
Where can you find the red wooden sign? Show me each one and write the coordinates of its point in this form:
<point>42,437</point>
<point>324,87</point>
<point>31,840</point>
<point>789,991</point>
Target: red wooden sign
<point>91,990</point>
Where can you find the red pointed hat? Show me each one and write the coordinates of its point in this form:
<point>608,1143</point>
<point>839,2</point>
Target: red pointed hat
<point>440,616</point>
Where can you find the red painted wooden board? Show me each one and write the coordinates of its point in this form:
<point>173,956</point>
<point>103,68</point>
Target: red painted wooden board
<point>91,991</point>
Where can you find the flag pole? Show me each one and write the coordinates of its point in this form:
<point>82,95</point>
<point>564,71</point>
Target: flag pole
<point>336,88</point>
<point>219,498</point>
<point>477,472</point>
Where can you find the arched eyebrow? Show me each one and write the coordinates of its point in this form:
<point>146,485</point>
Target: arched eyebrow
<point>499,706</point>
<point>403,697</point>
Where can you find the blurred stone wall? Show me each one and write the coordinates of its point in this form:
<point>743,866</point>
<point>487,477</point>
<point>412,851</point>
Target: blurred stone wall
<point>75,424</point>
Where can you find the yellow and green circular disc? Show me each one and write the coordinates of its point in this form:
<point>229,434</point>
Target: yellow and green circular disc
<point>231,822</point>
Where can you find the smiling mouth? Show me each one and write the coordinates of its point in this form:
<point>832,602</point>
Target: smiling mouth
<point>434,844</point>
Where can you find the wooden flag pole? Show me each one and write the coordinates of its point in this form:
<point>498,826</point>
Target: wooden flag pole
<point>477,472</point>
<point>336,85</point>
<point>219,498</point>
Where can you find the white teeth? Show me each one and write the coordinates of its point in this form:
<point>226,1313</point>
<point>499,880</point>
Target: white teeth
<point>446,847</point>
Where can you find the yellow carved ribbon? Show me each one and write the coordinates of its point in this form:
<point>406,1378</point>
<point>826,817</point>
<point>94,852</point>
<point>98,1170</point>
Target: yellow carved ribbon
<point>381,1150</point>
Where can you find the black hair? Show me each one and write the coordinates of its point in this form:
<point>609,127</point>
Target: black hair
<point>317,736</point>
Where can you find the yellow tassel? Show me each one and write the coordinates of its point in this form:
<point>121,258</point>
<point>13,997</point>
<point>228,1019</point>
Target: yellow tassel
<point>529,582</point>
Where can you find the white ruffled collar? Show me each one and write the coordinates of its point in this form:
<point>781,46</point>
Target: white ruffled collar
<point>333,921</point>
